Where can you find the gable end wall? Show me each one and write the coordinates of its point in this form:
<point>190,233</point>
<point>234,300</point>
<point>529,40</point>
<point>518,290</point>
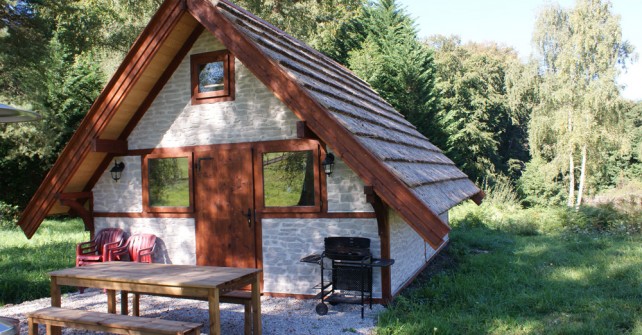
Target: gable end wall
<point>255,115</point>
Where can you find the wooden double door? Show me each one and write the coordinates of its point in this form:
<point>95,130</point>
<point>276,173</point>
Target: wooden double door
<point>226,231</point>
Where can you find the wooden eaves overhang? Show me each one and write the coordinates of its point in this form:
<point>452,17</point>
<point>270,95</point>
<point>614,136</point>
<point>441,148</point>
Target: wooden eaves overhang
<point>115,112</point>
<point>406,171</point>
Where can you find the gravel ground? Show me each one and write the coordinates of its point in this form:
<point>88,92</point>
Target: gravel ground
<point>279,315</point>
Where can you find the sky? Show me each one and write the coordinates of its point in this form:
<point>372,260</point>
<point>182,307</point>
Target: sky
<point>511,23</point>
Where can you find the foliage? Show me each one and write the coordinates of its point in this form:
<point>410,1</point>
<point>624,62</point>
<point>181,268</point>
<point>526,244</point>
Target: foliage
<point>24,264</point>
<point>622,160</point>
<point>288,179</point>
<point>541,184</point>
<point>477,85</point>
<point>315,22</point>
<point>603,219</point>
<point>381,47</point>
<point>579,55</point>
<point>168,181</point>
<point>490,281</point>
<point>53,59</point>
<point>8,215</point>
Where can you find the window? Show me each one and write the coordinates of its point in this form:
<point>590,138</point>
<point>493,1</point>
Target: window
<point>167,184</point>
<point>290,177</point>
<point>212,77</point>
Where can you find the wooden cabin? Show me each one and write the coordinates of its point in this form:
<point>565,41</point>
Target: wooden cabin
<point>213,134</point>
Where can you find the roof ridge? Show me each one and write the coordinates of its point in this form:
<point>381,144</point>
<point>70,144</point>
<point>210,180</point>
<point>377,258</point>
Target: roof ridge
<point>357,84</point>
<point>290,37</point>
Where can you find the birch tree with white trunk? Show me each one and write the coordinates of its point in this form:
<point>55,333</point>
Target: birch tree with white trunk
<point>580,53</point>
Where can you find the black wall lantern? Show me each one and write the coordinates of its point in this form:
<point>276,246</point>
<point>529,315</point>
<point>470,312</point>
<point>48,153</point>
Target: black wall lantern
<point>117,170</point>
<point>328,163</point>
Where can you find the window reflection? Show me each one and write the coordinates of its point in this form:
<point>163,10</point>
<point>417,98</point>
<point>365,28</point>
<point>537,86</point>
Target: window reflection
<point>168,182</point>
<point>288,179</point>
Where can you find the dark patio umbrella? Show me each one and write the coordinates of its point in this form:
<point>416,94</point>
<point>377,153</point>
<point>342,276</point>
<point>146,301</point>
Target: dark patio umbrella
<point>11,114</point>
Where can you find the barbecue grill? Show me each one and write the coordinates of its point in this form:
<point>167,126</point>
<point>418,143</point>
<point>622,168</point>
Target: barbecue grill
<point>349,273</point>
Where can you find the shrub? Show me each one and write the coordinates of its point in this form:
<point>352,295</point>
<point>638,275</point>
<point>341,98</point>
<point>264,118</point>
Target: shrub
<point>8,215</point>
<point>604,218</point>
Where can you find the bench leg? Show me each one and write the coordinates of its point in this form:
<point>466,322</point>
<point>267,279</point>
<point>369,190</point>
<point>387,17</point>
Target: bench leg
<point>33,327</point>
<point>124,303</point>
<point>256,306</point>
<point>136,304</point>
<point>248,318</point>
<point>111,301</point>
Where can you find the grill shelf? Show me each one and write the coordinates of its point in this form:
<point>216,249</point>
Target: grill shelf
<point>349,277</point>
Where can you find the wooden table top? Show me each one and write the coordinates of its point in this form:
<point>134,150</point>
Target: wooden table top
<point>158,274</point>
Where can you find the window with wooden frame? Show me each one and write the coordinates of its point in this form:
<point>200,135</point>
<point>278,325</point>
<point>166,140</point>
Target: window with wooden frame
<point>212,77</point>
<point>167,183</point>
<point>289,177</point>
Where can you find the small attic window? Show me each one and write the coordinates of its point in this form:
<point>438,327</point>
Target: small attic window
<point>212,77</point>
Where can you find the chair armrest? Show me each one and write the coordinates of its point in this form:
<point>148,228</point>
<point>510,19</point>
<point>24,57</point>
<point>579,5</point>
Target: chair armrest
<point>116,251</point>
<point>146,252</point>
<point>86,248</point>
<point>108,246</point>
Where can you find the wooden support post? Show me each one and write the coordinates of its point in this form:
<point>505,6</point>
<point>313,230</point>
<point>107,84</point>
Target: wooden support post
<point>383,225</point>
<point>76,202</point>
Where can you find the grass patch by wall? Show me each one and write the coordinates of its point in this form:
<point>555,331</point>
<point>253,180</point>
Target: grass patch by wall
<point>525,272</point>
<point>24,263</point>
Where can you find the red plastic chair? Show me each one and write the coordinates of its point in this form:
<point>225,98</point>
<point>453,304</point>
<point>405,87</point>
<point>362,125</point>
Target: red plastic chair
<point>96,250</point>
<point>138,248</point>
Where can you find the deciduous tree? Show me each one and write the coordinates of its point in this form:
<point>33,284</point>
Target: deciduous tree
<point>580,53</point>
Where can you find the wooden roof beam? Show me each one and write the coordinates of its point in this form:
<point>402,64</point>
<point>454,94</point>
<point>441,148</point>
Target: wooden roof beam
<point>304,132</point>
<point>118,147</point>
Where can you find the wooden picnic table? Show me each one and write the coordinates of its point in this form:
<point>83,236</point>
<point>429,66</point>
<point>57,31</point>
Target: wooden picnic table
<point>207,282</point>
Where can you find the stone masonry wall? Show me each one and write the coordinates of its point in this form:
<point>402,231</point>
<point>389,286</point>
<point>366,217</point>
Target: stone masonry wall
<point>255,115</point>
<point>124,195</point>
<point>345,190</point>
<point>408,249</point>
<point>175,242</point>
<point>171,121</point>
<point>286,241</point>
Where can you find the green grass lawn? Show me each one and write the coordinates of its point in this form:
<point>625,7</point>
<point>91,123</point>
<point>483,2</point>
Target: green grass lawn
<point>24,263</point>
<point>490,281</point>
<point>498,276</point>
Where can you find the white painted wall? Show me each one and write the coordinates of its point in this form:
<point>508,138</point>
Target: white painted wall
<point>124,195</point>
<point>255,115</point>
<point>408,249</point>
<point>172,246</point>
<point>345,190</point>
<point>286,241</point>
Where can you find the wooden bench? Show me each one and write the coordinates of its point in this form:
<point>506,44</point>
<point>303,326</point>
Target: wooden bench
<point>233,297</point>
<point>105,322</point>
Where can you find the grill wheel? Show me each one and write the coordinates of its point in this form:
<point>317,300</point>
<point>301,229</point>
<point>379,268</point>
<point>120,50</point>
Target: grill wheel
<point>322,309</point>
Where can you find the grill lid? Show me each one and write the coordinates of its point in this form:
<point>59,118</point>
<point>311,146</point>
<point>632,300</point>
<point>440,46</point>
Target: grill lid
<point>347,248</point>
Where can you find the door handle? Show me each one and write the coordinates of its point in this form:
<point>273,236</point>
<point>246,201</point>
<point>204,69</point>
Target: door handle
<point>248,215</point>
